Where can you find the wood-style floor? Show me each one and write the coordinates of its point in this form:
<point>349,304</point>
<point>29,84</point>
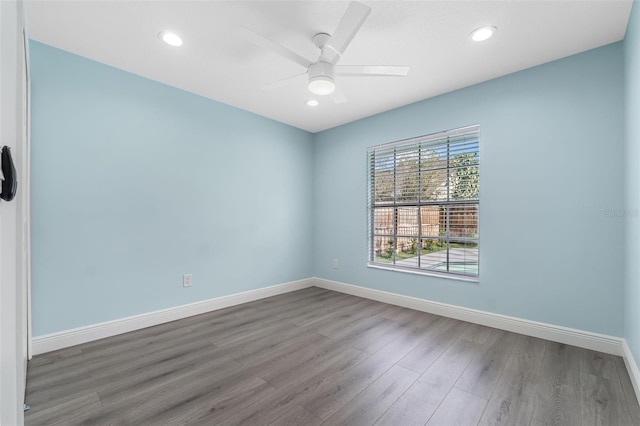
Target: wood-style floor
<point>319,357</point>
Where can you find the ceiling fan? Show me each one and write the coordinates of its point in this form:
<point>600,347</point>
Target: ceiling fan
<point>323,71</point>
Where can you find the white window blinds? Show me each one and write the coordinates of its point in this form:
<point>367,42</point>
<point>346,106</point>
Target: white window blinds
<point>424,197</point>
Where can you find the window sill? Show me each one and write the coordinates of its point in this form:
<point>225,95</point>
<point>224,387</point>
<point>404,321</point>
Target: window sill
<point>454,277</point>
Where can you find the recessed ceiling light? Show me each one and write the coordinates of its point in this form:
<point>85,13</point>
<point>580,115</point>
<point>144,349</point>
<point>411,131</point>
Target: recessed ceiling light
<point>482,33</point>
<point>312,103</point>
<point>170,38</point>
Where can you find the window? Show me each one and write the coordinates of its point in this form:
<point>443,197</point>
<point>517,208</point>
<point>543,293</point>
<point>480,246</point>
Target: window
<point>424,204</point>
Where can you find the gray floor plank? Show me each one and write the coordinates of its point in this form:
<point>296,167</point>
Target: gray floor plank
<point>450,365</point>
<point>331,395</point>
<point>287,352</point>
<point>202,382</point>
<point>558,395</point>
<point>598,402</point>
<point>321,362</point>
<point>483,372</point>
<point>296,417</point>
<point>445,334</point>
<point>137,358</point>
<point>477,333</point>
<point>627,389</point>
<point>159,375</point>
<point>201,408</point>
<point>74,410</point>
<point>323,312</point>
<point>56,359</point>
<point>459,408</point>
<point>416,405</point>
<point>316,356</point>
<point>362,309</point>
<point>361,327</point>
<point>511,402</point>
<point>371,403</point>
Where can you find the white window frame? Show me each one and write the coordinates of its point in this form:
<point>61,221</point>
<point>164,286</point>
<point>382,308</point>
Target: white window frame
<point>454,195</point>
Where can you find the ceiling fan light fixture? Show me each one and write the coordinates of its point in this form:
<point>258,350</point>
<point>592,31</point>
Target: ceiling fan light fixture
<point>482,33</point>
<point>172,39</point>
<point>321,85</point>
<point>321,80</point>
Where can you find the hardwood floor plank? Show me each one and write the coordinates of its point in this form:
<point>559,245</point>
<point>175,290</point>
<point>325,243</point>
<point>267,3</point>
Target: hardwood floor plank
<point>295,417</point>
<point>458,408</point>
<point>536,422</point>
<point>247,332</point>
<point>375,338</point>
<point>323,312</point>
<point>210,402</point>
<point>54,377</point>
<point>599,402</point>
<point>287,352</point>
<point>511,402</point>
<point>450,365</point>
<point>114,386</point>
<point>601,390</point>
<point>360,327</point>
<point>416,405</point>
<point>362,309</point>
<point>558,393</point>
<point>483,372</point>
<point>416,335</point>
<point>627,390</point>
<point>148,402</point>
<point>319,302</point>
<point>321,362</point>
<point>445,333</point>
<point>477,333</point>
<point>322,394</point>
<point>246,350</point>
<point>331,395</point>
<point>598,364</point>
<point>55,359</point>
<point>372,402</point>
<point>136,358</point>
<point>378,337</point>
<point>73,410</point>
<point>260,409</point>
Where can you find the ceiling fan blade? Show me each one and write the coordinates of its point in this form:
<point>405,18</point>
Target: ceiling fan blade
<point>279,49</point>
<point>280,83</point>
<point>351,22</point>
<point>371,70</point>
<point>338,97</point>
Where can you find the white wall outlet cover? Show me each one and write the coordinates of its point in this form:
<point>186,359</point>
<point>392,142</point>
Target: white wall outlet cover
<point>187,280</point>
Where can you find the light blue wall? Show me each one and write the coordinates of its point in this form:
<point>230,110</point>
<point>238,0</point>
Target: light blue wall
<point>552,165</point>
<point>136,183</point>
<point>632,180</point>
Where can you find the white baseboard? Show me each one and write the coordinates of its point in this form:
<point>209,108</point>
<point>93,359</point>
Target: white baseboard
<point>569,336</point>
<point>583,339</point>
<point>632,369</point>
<point>76,336</point>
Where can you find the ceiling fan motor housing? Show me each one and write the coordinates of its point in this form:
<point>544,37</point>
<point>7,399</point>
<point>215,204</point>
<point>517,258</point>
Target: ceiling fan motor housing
<point>321,78</point>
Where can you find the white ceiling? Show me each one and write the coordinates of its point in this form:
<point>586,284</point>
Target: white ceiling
<point>216,61</point>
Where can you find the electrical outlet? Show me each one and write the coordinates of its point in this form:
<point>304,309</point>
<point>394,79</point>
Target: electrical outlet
<point>186,280</point>
<point>336,264</point>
